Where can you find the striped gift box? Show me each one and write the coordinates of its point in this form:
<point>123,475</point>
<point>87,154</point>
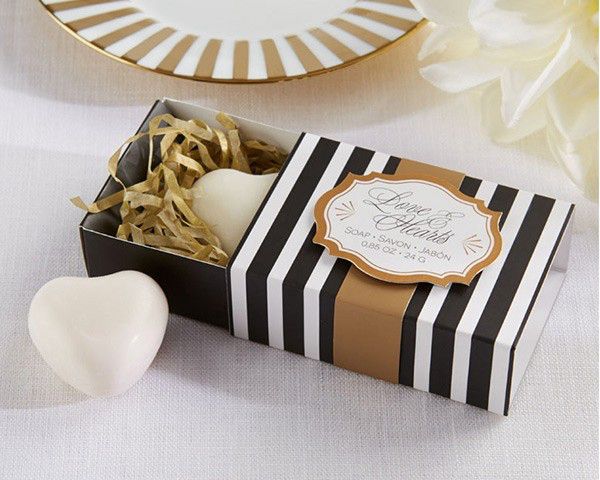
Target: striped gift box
<point>469,343</point>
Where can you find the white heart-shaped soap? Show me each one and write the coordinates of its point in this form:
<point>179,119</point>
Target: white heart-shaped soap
<point>99,334</point>
<point>227,200</point>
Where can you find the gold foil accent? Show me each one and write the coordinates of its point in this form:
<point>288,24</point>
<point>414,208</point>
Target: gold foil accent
<point>365,35</point>
<point>138,52</point>
<point>241,58</point>
<point>344,53</point>
<point>207,61</point>
<point>121,33</point>
<point>158,211</point>
<point>308,59</point>
<point>391,20</point>
<point>170,62</point>
<point>70,4</point>
<point>272,59</point>
<point>94,20</point>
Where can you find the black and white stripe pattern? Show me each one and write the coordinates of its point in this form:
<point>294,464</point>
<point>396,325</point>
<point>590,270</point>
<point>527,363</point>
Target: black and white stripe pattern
<point>469,343</point>
<point>449,315</point>
<point>510,336</point>
<point>457,342</point>
<point>280,281</point>
<point>272,204</point>
<point>321,288</point>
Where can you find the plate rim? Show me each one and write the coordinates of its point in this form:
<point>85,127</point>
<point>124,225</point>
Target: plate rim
<point>237,81</point>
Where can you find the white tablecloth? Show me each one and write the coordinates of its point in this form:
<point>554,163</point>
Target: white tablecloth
<point>212,406</point>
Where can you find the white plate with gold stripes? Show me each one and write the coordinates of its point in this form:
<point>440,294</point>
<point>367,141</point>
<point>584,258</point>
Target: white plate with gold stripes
<point>239,41</point>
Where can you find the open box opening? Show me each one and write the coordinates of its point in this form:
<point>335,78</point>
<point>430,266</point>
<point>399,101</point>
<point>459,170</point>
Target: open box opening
<point>194,288</point>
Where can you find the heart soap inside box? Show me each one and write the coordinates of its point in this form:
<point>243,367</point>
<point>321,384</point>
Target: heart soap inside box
<point>194,288</point>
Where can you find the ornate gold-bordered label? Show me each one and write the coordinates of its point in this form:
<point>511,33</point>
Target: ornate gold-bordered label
<point>408,229</point>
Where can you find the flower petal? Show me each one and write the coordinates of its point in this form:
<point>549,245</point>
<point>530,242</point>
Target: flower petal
<point>525,82</point>
<point>454,41</point>
<point>444,12</point>
<point>573,103</point>
<point>534,119</point>
<point>585,45</point>
<point>460,75</point>
<point>578,158</point>
<point>529,26</point>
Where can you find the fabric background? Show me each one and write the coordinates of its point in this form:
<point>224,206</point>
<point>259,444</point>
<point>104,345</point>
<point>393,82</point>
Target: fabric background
<point>212,406</point>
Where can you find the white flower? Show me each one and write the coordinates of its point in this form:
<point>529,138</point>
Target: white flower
<point>536,63</point>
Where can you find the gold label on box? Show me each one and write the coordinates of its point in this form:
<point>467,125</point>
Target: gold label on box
<point>408,229</point>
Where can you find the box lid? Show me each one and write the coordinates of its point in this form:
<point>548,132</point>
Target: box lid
<point>288,292</point>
